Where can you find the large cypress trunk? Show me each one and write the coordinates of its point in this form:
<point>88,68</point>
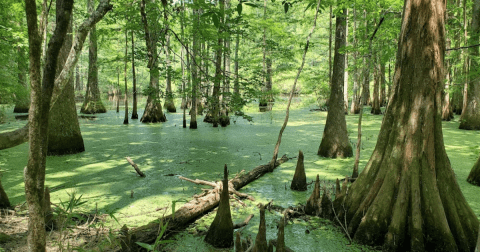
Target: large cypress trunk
<point>64,136</point>
<point>407,197</point>
<point>93,103</point>
<point>153,109</point>
<point>470,119</point>
<point>335,138</point>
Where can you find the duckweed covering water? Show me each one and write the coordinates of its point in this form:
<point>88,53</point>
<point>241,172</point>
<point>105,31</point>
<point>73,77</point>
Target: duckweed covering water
<point>104,178</point>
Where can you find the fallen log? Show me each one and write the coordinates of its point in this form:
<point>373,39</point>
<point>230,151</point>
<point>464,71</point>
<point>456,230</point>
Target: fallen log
<point>196,207</point>
<point>130,161</point>
<point>13,138</point>
<point>243,223</point>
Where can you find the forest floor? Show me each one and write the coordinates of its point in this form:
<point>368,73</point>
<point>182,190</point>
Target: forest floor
<point>106,181</point>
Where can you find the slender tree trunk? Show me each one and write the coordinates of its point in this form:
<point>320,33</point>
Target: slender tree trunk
<point>366,71</point>
<point>42,89</point>
<point>64,135</point>
<point>194,68</point>
<point>236,84</point>
<point>447,113</point>
<point>125,120</point>
<point>93,103</point>
<point>335,137</point>
<point>263,100</point>
<point>330,33</point>
<point>134,82</point>
<point>169,103</point>
<point>215,106</point>
<point>78,83</point>
<point>376,88</point>
<point>470,119</point>
<point>153,109</point>
<point>383,83</point>
<point>407,198</point>
<point>345,83</point>
<point>22,100</point>
<point>117,91</point>
<point>355,107</point>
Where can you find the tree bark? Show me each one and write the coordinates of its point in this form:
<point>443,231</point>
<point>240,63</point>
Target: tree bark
<point>153,109</point>
<point>335,137</point>
<point>93,102</point>
<point>42,89</point>
<point>470,119</point>
<point>407,197</point>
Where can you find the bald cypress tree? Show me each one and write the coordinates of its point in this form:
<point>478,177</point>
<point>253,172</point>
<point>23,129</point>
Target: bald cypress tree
<point>407,197</point>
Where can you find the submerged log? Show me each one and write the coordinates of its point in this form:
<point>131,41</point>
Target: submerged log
<point>243,223</point>
<point>220,232</point>
<point>299,181</point>
<point>130,161</point>
<point>197,207</point>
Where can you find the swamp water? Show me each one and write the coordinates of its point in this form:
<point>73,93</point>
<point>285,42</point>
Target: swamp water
<point>105,179</point>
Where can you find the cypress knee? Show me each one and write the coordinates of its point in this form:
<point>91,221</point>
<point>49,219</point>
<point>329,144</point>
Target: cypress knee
<point>261,239</point>
<point>299,182</point>
<point>4,202</point>
<point>281,236</point>
<point>220,233</point>
<point>474,176</point>
<point>312,203</point>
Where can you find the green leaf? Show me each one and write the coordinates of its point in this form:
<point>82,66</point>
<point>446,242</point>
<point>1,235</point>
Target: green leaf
<point>251,4</point>
<point>146,246</point>
<point>239,9</point>
<point>216,20</point>
<point>285,7</point>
